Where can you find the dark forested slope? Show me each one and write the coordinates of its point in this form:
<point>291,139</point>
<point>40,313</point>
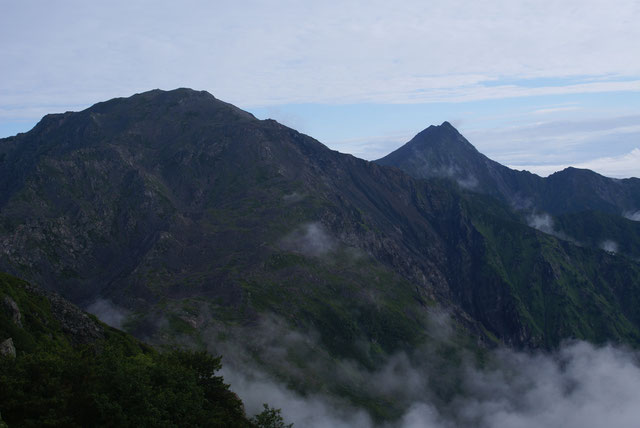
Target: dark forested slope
<point>62,367</point>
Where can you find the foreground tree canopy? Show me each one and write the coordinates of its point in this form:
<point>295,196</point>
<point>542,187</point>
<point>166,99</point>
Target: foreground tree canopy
<point>111,380</point>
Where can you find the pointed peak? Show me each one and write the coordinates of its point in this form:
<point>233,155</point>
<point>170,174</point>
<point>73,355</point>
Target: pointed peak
<point>439,131</point>
<point>436,141</point>
<point>448,127</point>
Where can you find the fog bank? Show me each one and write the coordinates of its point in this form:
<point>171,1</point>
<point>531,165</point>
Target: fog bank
<point>579,385</point>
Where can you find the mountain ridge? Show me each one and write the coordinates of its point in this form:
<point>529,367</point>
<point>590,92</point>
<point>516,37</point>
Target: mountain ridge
<point>441,151</point>
<point>164,198</point>
<point>200,225</point>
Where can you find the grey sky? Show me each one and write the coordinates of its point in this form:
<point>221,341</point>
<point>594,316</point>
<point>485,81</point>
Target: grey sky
<point>279,55</point>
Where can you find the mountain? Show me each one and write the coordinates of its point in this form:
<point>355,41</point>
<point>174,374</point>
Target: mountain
<point>566,204</point>
<point>168,197</point>
<point>191,222</point>
<point>441,151</point>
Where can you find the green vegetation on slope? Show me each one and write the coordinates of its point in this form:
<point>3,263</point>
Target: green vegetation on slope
<point>189,212</point>
<point>556,289</point>
<point>111,381</point>
<point>594,229</point>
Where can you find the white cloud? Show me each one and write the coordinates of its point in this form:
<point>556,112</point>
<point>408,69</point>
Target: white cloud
<point>552,110</point>
<point>310,239</point>
<point>108,312</point>
<point>542,222</point>
<point>607,145</point>
<point>370,148</point>
<point>549,133</point>
<point>578,385</point>
<point>609,246</point>
<point>264,53</point>
<point>315,411</point>
<point>69,55</point>
<point>627,165</point>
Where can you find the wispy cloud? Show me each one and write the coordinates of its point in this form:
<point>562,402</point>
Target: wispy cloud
<point>627,165</point>
<point>264,54</point>
<point>609,246</point>
<point>108,312</point>
<point>66,56</point>
<point>310,239</point>
<point>578,385</point>
<point>552,110</point>
<point>370,148</point>
<point>607,145</point>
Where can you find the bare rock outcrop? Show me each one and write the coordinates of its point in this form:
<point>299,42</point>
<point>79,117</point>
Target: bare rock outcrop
<point>7,349</point>
<point>76,324</point>
<point>11,308</point>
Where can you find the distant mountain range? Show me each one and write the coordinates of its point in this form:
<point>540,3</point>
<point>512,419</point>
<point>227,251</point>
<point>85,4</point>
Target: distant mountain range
<point>188,213</point>
<point>442,152</point>
<point>578,205</point>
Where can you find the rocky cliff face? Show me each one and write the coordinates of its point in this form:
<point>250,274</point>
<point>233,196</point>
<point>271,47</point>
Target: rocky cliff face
<point>7,349</point>
<point>46,309</point>
<point>76,324</point>
<point>11,308</point>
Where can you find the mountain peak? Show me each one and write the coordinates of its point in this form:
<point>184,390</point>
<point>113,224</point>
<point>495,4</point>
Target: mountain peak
<point>152,104</point>
<point>180,96</point>
<point>156,105</point>
<point>178,93</point>
<point>444,136</point>
<point>444,128</point>
<point>441,151</point>
<point>440,146</point>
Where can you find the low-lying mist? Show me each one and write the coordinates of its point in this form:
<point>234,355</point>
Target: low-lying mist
<point>578,385</point>
<point>446,382</point>
<point>634,216</point>
<point>108,312</point>
<point>310,239</point>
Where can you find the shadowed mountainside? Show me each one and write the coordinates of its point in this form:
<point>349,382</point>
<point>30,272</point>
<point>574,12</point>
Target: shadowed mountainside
<point>187,211</point>
<point>577,205</point>
<point>441,151</point>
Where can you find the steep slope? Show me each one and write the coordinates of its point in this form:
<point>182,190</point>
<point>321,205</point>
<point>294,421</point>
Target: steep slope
<point>601,230</point>
<point>171,196</point>
<point>190,213</point>
<point>61,367</point>
<point>561,290</point>
<point>441,151</point>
